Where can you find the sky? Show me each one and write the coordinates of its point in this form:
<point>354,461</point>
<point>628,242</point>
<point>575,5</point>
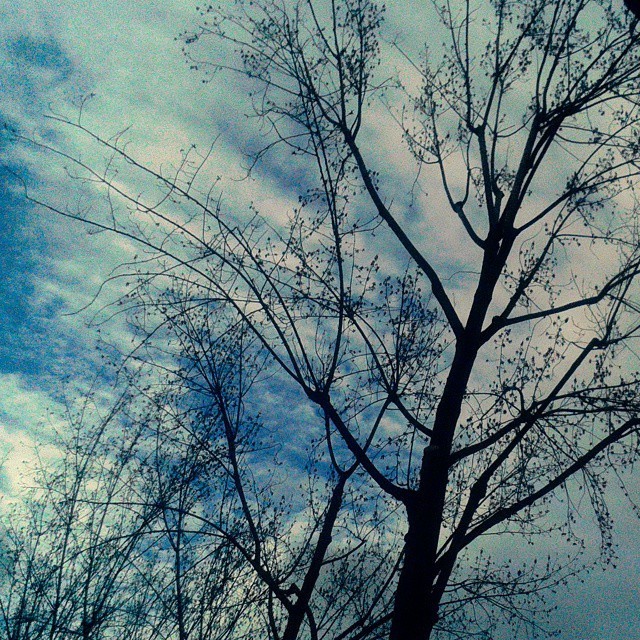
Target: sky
<point>125,54</point>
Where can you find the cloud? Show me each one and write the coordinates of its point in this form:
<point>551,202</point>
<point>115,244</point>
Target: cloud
<point>29,418</point>
<point>126,54</point>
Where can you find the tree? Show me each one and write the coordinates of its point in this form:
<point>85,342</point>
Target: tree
<point>451,412</point>
<point>633,7</point>
<point>226,522</point>
<point>71,558</point>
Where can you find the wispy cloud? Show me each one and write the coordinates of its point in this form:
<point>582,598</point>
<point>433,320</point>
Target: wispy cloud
<point>127,55</point>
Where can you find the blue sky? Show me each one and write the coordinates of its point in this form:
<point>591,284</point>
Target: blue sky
<point>126,54</point>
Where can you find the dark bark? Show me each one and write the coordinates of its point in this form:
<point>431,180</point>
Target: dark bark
<point>416,608</point>
<point>415,613</point>
<point>633,6</point>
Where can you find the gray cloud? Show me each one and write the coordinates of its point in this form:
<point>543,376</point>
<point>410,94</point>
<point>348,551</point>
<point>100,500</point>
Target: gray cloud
<point>127,54</point>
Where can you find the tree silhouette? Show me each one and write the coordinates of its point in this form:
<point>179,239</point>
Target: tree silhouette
<point>633,6</point>
<point>460,364</point>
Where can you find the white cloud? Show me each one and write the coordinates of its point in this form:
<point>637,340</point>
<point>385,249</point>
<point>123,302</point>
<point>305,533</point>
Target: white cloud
<point>126,53</point>
<point>28,421</point>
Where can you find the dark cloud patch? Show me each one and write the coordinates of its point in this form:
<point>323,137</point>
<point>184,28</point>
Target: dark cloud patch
<point>286,173</point>
<point>26,50</point>
<point>31,339</point>
<point>36,74</point>
<point>16,263</point>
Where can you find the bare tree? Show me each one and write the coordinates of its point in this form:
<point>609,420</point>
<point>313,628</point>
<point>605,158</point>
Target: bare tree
<point>71,561</point>
<point>494,404</point>
<point>238,566</point>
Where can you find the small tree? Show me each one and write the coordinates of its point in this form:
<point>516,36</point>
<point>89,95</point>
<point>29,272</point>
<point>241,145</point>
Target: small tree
<point>452,412</point>
<point>239,567</point>
<point>70,559</point>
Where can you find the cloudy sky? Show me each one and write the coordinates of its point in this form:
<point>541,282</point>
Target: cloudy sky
<point>125,53</point>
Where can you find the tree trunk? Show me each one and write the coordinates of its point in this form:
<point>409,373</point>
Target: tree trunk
<point>416,606</point>
<point>415,612</point>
